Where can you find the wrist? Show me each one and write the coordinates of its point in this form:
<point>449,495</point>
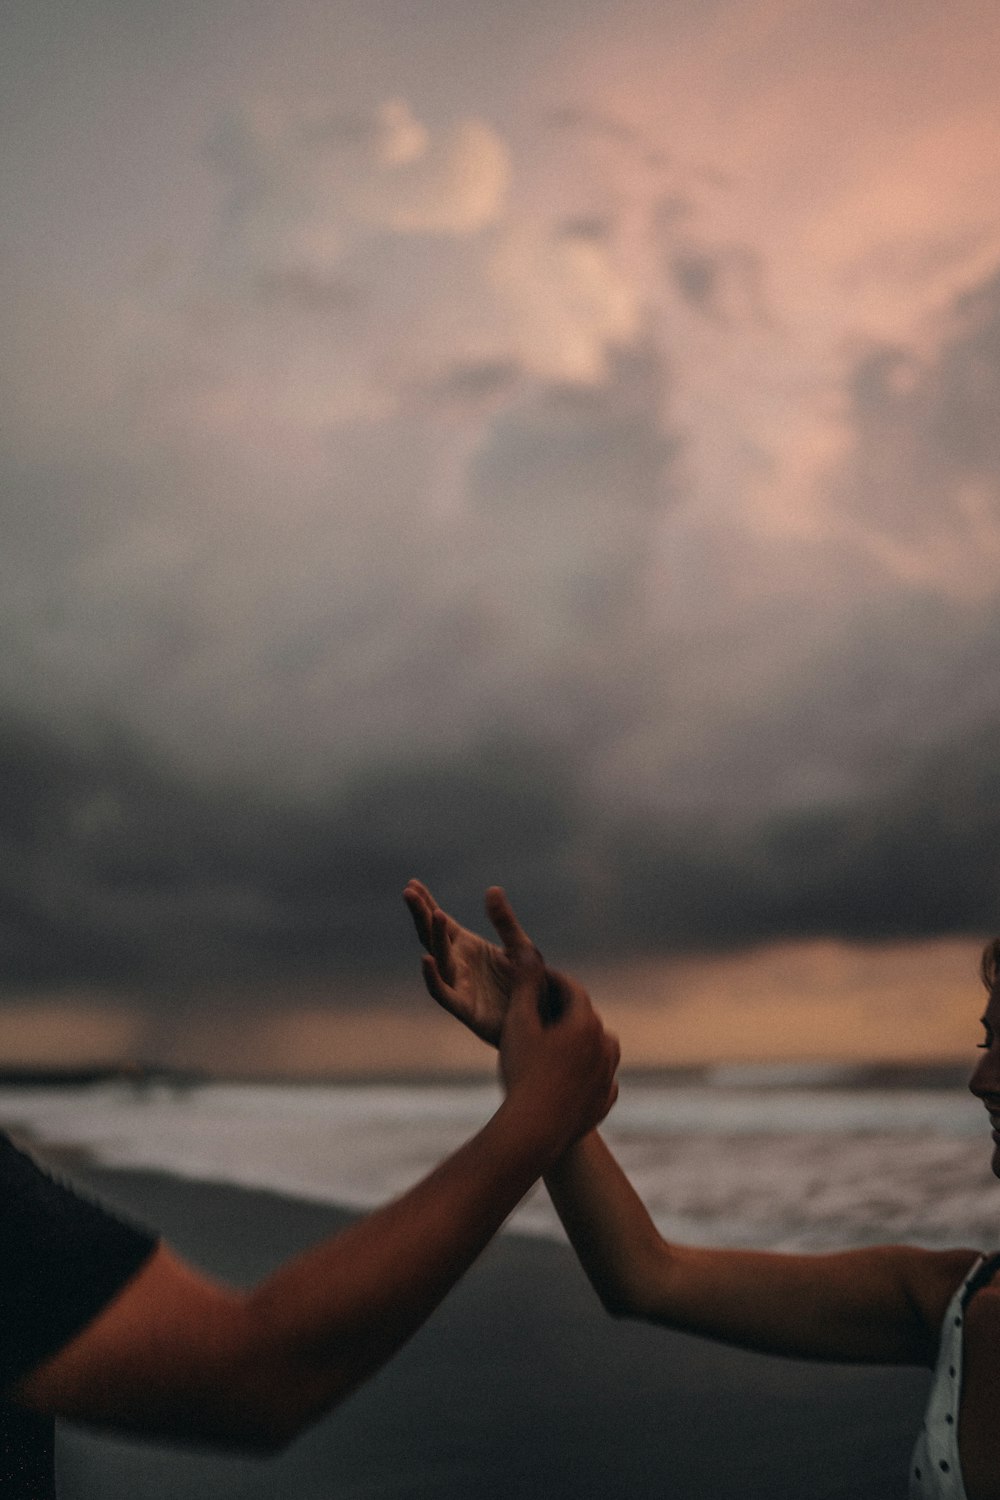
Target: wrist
<point>540,1130</point>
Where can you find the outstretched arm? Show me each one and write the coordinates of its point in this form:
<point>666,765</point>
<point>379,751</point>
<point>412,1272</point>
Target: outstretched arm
<point>881,1305</point>
<point>176,1355</point>
<point>878,1305</point>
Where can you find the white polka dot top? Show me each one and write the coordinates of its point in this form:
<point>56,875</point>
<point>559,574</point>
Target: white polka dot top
<point>935,1470</point>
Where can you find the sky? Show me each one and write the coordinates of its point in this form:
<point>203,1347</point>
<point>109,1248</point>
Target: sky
<point>548,444</point>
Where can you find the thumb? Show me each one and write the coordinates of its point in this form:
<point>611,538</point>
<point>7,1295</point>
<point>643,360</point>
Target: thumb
<point>559,996</point>
<point>528,990</point>
<point>508,929</point>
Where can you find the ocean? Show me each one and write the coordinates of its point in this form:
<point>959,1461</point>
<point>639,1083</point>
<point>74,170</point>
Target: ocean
<point>787,1158</point>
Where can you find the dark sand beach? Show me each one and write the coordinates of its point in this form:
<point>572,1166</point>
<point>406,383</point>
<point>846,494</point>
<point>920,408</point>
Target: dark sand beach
<point>520,1386</point>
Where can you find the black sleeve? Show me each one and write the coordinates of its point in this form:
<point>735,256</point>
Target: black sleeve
<point>62,1260</point>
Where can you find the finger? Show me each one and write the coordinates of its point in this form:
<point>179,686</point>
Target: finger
<point>508,929</point>
<point>425,894</point>
<point>438,989</point>
<point>564,995</point>
<point>528,989</point>
<point>420,901</point>
<point>420,909</point>
<point>557,998</point>
<point>440,944</point>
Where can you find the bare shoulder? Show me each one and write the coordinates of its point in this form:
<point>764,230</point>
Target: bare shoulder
<point>932,1278</point>
<point>981,1340</point>
<point>979,1428</point>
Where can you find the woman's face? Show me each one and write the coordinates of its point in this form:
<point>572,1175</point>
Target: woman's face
<point>985,1081</point>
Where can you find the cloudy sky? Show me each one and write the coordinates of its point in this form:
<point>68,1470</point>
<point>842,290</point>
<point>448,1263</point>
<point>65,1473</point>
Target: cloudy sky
<point>549,443</point>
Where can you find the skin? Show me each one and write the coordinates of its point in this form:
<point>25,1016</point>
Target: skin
<point>881,1305</point>
<point>979,1442</point>
<point>178,1355</point>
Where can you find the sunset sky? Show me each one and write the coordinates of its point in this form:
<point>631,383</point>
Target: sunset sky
<point>548,443</point>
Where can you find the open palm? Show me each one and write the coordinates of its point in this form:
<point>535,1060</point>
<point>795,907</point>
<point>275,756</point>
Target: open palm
<point>470,977</point>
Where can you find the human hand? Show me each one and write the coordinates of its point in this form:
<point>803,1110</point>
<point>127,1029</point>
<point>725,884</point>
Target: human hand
<point>468,976</point>
<point>556,1060</point>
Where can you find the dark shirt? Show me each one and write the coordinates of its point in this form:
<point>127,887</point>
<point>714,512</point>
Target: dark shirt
<point>62,1260</point>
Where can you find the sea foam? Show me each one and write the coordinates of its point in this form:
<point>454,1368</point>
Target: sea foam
<point>722,1162</point>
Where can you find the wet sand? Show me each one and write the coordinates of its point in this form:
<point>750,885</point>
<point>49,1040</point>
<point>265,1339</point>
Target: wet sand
<point>519,1388</point>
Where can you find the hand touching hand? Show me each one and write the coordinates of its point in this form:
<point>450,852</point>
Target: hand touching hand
<point>560,1068</point>
<point>470,977</point>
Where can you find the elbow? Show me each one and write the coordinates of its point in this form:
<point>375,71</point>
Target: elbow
<point>273,1394</point>
<point>634,1290</point>
<point>265,1425</point>
<point>287,1404</point>
<point>274,1434</point>
<point>622,1302</point>
<point>621,1294</point>
<point>619,1307</point>
<point>298,1403</point>
<point>250,1423</point>
<point>274,1428</point>
<point>263,1441</point>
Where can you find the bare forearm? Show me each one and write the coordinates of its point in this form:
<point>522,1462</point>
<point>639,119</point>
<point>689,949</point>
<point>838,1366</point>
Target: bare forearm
<point>608,1225</point>
<point>336,1313</point>
<point>180,1356</point>
<point>881,1305</point>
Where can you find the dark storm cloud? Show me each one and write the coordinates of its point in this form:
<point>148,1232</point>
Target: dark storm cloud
<point>697,278</point>
<point>474,382</point>
<point>593,228</point>
<point>861,794</point>
<point>582,449</point>
<point>901,639</point>
<point>130,863</point>
<point>926,455</point>
<point>579,479</point>
<point>913,258</point>
<point>672,210</point>
<point>299,290</point>
<point>375,525</point>
<point>923,858</point>
<point>584,119</point>
<point>919,857</point>
<point>125,866</point>
<point>119,872</point>
<point>725,282</point>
